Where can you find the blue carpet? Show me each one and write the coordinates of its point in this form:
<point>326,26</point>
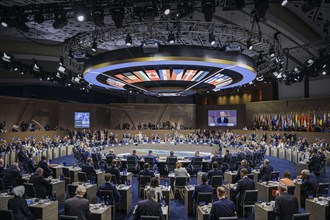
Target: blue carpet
<point>177,206</point>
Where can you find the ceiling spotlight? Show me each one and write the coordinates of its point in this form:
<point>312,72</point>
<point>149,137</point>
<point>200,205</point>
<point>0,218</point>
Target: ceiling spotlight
<point>39,18</point>
<point>167,9</point>
<point>271,52</point>
<point>284,2</point>
<point>80,18</point>
<point>60,21</point>
<point>7,57</point>
<point>211,38</point>
<point>249,44</point>
<point>171,38</point>
<point>260,78</point>
<point>128,40</point>
<point>324,73</point>
<point>94,46</point>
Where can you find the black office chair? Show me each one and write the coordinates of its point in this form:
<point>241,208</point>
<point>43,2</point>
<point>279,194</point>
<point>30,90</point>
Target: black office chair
<point>180,183</point>
<point>6,214</point>
<point>274,175</point>
<point>143,217</point>
<point>150,161</point>
<point>143,182</point>
<point>321,188</point>
<point>95,161</point>
<point>114,179</point>
<point>132,164</point>
<point>67,217</point>
<point>82,177</point>
<point>170,164</point>
<point>291,189</point>
<point>29,190</point>
<point>196,165</point>
<point>102,165</point>
<point>108,194</point>
<point>216,181</point>
<point>204,198</point>
<point>228,218</point>
<point>109,159</point>
<point>66,175</point>
<point>72,190</point>
<point>301,216</point>
<point>2,186</point>
<point>251,176</point>
<point>250,199</point>
<point>233,163</point>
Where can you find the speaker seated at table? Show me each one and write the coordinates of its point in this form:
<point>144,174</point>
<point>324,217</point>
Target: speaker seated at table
<point>88,168</point>
<point>30,191</point>
<point>41,185</point>
<point>44,165</point>
<point>265,170</point>
<point>249,200</point>
<point>67,217</point>
<point>113,170</point>
<point>132,164</point>
<point>322,188</point>
<point>7,214</point>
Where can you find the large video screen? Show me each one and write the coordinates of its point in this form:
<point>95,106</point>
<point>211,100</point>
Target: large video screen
<point>225,118</point>
<point>81,119</point>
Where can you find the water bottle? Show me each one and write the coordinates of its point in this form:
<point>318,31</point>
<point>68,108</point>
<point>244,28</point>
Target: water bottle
<point>102,201</point>
<point>107,201</point>
<point>128,182</point>
<point>326,192</point>
<point>54,196</point>
<point>166,183</point>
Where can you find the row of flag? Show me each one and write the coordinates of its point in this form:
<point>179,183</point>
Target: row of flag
<point>282,121</point>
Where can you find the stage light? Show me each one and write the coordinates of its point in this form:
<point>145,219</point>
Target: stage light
<point>118,17</point>
<point>211,38</point>
<point>171,38</point>
<point>167,9</point>
<point>39,18</point>
<point>128,40</point>
<point>324,73</point>
<point>249,44</point>
<point>284,2</point>
<point>60,21</point>
<point>208,8</point>
<point>94,46</point>
<point>82,15</point>
<point>7,57</point>
<point>5,21</point>
<point>260,78</point>
<point>309,62</point>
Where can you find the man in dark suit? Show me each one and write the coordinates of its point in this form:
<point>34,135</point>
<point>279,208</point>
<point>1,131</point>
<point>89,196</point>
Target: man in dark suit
<point>265,170</point>
<point>309,185</point>
<point>214,172</point>
<point>171,161</point>
<point>286,205</point>
<point>227,157</point>
<point>109,186</point>
<point>113,170</point>
<point>203,187</point>
<point>78,206</point>
<point>244,164</point>
<point>18,205</point>
<point>222,119</point>
<point>315,164</point>
<point>222,207</point>
<point>30,164</point>
<point>41,185</point>
<point>88,168</point>
<point>44,165</point>
<point>151,157</point>
<point>22,155</point>
<point>137,157</point>
<point>146,171</point>
<point>239,191</point>
<point>110,156</point>
<point>149,207</point>
<point>11,176</point>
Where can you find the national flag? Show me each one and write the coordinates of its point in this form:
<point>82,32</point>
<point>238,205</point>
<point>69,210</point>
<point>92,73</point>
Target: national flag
<point>132,77</point>
<point>314,119</point>
<point>124,78</point>
<point>213,78</point>
<point>152,74</point>
<point>189,74</point>
<point>141,75</point>
<point>321,120</point>
<point>165,74</point>
<point>200,75</point>
<point>177,74</point>
<point>115,83</point>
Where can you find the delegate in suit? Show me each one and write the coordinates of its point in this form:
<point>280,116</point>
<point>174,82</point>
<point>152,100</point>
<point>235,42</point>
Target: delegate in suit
<point>222,207</point>
<point>286,205</point>
<point>78,205</point>
<point>149,207</point>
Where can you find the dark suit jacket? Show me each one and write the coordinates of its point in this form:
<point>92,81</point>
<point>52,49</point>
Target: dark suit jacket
<point>89,170</point>
<point>225,120</point>
<point>226,158</point>
<point>314,164</point>
<point>310,185</point>
<point>20,209</point>
<point>30,166</point>
<point>44,165</point>
<point>115,171</point>
<point>265,172</point>
<point>214,172</point>
<point>238,176</point>
<point>77,206</point>
<point>109,186</point>
<point>10,176</point>
<point>1,169</point>
<point>244,184</point>
<point>285,206</point>
<point>148,207</point>
<point>222,208</point>
<point>22,157</point>
<point>202,188</point>
<point>41,185</point>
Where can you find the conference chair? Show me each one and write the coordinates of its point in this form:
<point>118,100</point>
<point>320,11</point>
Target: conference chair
<point>132,164</point>
<point>228,218</point>
<point>143,182</point>
<point>108,195</point>
<point>204,198</point>
<point>82,177</point>
<point>2,185</point>
<point>150,161</point>
<point>251,176</point>
<point>143,217</point>
<point>67,217</point>
<point>170,165</point>
<point>291,189</point>
<point>301,216</point>
<point>197,165</point>
<point>114,179</point>
<point>274,175</point>
<point>72,190</point>
<point>249,200</point>
<point>102,165</point>
<point>233,163</point>
<point>179,184</point>
<point>6,214</point>
<point>109,159</point>
<point>216,181</point>
<point>320,189</point>
<point>29,190</point>
<point>95,161</point>
<point>66,175</point>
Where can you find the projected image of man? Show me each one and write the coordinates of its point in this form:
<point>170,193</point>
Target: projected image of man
<point>222,119</point>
